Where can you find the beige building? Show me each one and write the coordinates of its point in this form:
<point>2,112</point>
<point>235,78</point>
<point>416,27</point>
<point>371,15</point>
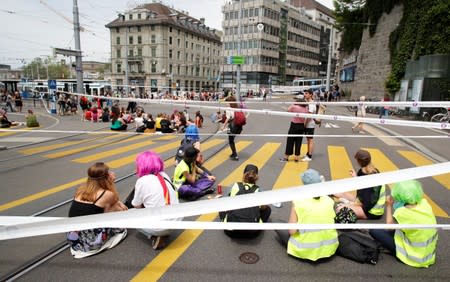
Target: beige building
<point>278,41</point>
<point>164,49</point>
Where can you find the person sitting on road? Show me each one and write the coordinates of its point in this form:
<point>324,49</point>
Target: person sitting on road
<point>311,244</point>
<point>105,115</point>
<point>4,122</point>
<point>98,195</point>
<point>117,123</point>
<point>252,214</point>
<point>31,119</point>
<point>368,203</point>
<point>153,189</point>
<point>191,181</point>
<point>414,247</point>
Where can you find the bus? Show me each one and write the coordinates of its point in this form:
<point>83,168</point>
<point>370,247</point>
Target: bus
<point>93,87</point>
<point>301,84</point>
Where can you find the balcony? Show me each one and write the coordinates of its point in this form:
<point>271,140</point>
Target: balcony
<point>135,59</point>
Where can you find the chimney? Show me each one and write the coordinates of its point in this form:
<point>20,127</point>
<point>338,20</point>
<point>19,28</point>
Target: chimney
<point>202,20</point>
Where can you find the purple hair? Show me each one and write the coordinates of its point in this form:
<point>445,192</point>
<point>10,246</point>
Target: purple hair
<point>148,163</point>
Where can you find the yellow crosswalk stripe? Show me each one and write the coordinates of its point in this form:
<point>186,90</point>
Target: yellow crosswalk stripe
<point>419,160</point>
<point>159,265</point>
<point>340,163</point>
<point>219,158</point>
<point>384,164</point>
<point>106,154</point>
<point>290,174</point>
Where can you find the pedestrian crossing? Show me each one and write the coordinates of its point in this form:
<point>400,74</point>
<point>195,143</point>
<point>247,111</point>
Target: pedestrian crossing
<point>117,153</point>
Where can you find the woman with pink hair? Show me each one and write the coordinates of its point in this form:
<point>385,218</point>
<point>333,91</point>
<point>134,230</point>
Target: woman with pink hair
<point>153,189</point>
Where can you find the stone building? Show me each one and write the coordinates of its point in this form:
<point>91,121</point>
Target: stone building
<point>279,43</point>
<point>162,48</point>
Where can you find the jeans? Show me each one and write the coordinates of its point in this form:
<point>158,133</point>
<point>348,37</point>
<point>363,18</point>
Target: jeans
<point>385,238</point>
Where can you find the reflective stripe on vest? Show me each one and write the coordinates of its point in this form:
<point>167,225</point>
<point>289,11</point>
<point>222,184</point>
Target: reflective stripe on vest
<point>378,208</point>
<point>416,247</point>
<point>313,245</point>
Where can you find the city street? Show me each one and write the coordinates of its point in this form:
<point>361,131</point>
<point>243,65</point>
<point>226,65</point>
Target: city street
<point>36,177</point>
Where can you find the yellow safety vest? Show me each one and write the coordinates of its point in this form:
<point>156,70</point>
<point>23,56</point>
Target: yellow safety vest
<point>416,247</point>
<point>378,209</point>
<point>314,244</point>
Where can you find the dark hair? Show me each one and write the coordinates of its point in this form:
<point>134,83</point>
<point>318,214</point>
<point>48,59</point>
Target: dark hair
<point>250,177</point>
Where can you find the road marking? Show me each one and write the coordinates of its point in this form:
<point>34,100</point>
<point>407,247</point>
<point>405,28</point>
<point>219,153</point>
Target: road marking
<point>24,139</point>
<point>375,132</point>
<point>384,164</point>
<point>167,257</point>
<point>13,131</point>
<point>290,174</point>
<point>222,156</point>
<point>340,163</point>
<point>419,160</point>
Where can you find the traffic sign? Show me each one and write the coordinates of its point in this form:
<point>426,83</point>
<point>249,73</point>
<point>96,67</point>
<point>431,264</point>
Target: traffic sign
<point>52,84</point>
<point>236,60</point>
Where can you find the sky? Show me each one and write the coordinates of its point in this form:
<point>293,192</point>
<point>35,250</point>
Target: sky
<point>30,29</point>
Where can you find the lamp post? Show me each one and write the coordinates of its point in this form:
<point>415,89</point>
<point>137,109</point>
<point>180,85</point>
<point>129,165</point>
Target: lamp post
<point>330,52</point>
<point>238,71</point>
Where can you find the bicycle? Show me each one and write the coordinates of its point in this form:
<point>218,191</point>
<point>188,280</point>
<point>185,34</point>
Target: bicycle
<point>441,117</point>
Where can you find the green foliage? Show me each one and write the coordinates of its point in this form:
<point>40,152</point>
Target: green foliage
<point>55,70</point>
<point>423,30</point>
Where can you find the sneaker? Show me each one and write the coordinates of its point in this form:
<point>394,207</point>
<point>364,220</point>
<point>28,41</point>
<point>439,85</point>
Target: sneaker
<point>284,160</point>
<point>157,242</point>
<point>306,159</point>
<point>234,158</point>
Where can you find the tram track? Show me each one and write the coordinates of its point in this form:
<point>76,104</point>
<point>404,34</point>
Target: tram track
<point>58,248</point>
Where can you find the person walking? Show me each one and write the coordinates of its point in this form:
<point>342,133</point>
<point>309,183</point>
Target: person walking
<point>310,125</point>
<point>297,128</point>
<point>18,101</point>
<point>361,113</point>
<point>97,195</point>
<point>414,247</point>
<point>368,203</point>
<point>310,244</point>
<point>235,121</point>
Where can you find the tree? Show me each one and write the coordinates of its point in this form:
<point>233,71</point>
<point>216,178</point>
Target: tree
<point>38,69</point>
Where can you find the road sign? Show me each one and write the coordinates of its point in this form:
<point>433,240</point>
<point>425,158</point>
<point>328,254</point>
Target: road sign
<point>52,84</point>
<point>235,60</point>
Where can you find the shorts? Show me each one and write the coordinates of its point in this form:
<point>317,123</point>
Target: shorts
<point>309,131</point>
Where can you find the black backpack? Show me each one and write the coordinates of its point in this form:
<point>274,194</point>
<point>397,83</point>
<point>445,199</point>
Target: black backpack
<point>251,214</point>
<point>358,247</point>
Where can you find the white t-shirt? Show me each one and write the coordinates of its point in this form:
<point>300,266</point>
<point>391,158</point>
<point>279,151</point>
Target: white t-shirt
<point>148,192</point>
<point>312,110</point>
<point>139,121</point>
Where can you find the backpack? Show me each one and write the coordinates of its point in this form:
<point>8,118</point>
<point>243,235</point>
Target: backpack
<point>320,111</point>
<point>185,143</point>
<point>239,119</point>
<point>355,246</point>
<point>251,214</point>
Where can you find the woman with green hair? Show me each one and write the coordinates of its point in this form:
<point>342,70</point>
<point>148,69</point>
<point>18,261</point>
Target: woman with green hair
<point>414,247</point>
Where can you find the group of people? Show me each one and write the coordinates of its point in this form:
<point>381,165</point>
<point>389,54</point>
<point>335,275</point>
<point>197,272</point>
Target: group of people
<point>9,99</point>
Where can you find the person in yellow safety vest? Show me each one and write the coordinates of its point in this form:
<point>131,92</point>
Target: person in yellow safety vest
<point>368,203</point>
<point>311,244</point>
<point>414,247</point>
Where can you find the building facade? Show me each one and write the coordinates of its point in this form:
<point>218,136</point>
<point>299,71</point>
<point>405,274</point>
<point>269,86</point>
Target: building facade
<point>160,48</point>
<point>279,43</point>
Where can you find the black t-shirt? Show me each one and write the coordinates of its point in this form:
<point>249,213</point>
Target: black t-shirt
<point>368,196</point>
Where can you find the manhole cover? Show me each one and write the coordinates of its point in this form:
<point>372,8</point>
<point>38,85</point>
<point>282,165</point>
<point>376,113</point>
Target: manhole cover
<point>249,258</point>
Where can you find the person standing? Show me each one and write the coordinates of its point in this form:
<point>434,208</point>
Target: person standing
<point>297,128</point>
<point>234,120</point>
<point>310,244</point>
<point>310,124</point>
<point>414,247</point>
<point>360,112</point>
<point>98,195</point>
<point>9,100</point>
<point>18,101</point>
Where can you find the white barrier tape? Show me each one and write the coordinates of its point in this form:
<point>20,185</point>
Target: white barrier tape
<point>208,225</point>
<point>382,121</point>
<point>151,216</point>
<point>428,104</point>
<point>223,133</point>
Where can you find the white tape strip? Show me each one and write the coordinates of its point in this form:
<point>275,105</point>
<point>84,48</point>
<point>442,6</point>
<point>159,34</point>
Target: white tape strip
<point>140,217</point>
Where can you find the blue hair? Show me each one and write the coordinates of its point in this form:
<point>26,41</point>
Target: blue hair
<point>192,133</point>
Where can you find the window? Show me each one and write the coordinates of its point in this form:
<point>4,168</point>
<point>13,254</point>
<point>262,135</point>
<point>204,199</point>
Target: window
<point>117,29</point>
<point>130,40</point>
<point>170,40</point>
<point>130,16</point>
<point>118,53</point>
<point>139,39</point>
<point>178,55</point>
<point>153,52</point>
<point>119,68</point>
<point>153,38</point>
<point>170,54</point>
<point>117,40</point>
<point>152,27</point>
<point>140,68</point>
<point>170,69</point>
<point>131,53</point>
<point>170,29</point>
<point>178,42</point>
<point>140,52</point>
<point>139,28</point>
<point>139,16</point>
<point>154,66</point>
<point>187,44</point>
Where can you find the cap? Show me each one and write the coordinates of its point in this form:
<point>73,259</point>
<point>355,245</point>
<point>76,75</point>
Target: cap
<point>251,167</point>
<point>190,152</point>
<point>363,157</point>
<point>310,176</point>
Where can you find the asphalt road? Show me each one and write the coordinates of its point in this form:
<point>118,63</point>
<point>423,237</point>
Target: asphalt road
<point>34,177</point>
